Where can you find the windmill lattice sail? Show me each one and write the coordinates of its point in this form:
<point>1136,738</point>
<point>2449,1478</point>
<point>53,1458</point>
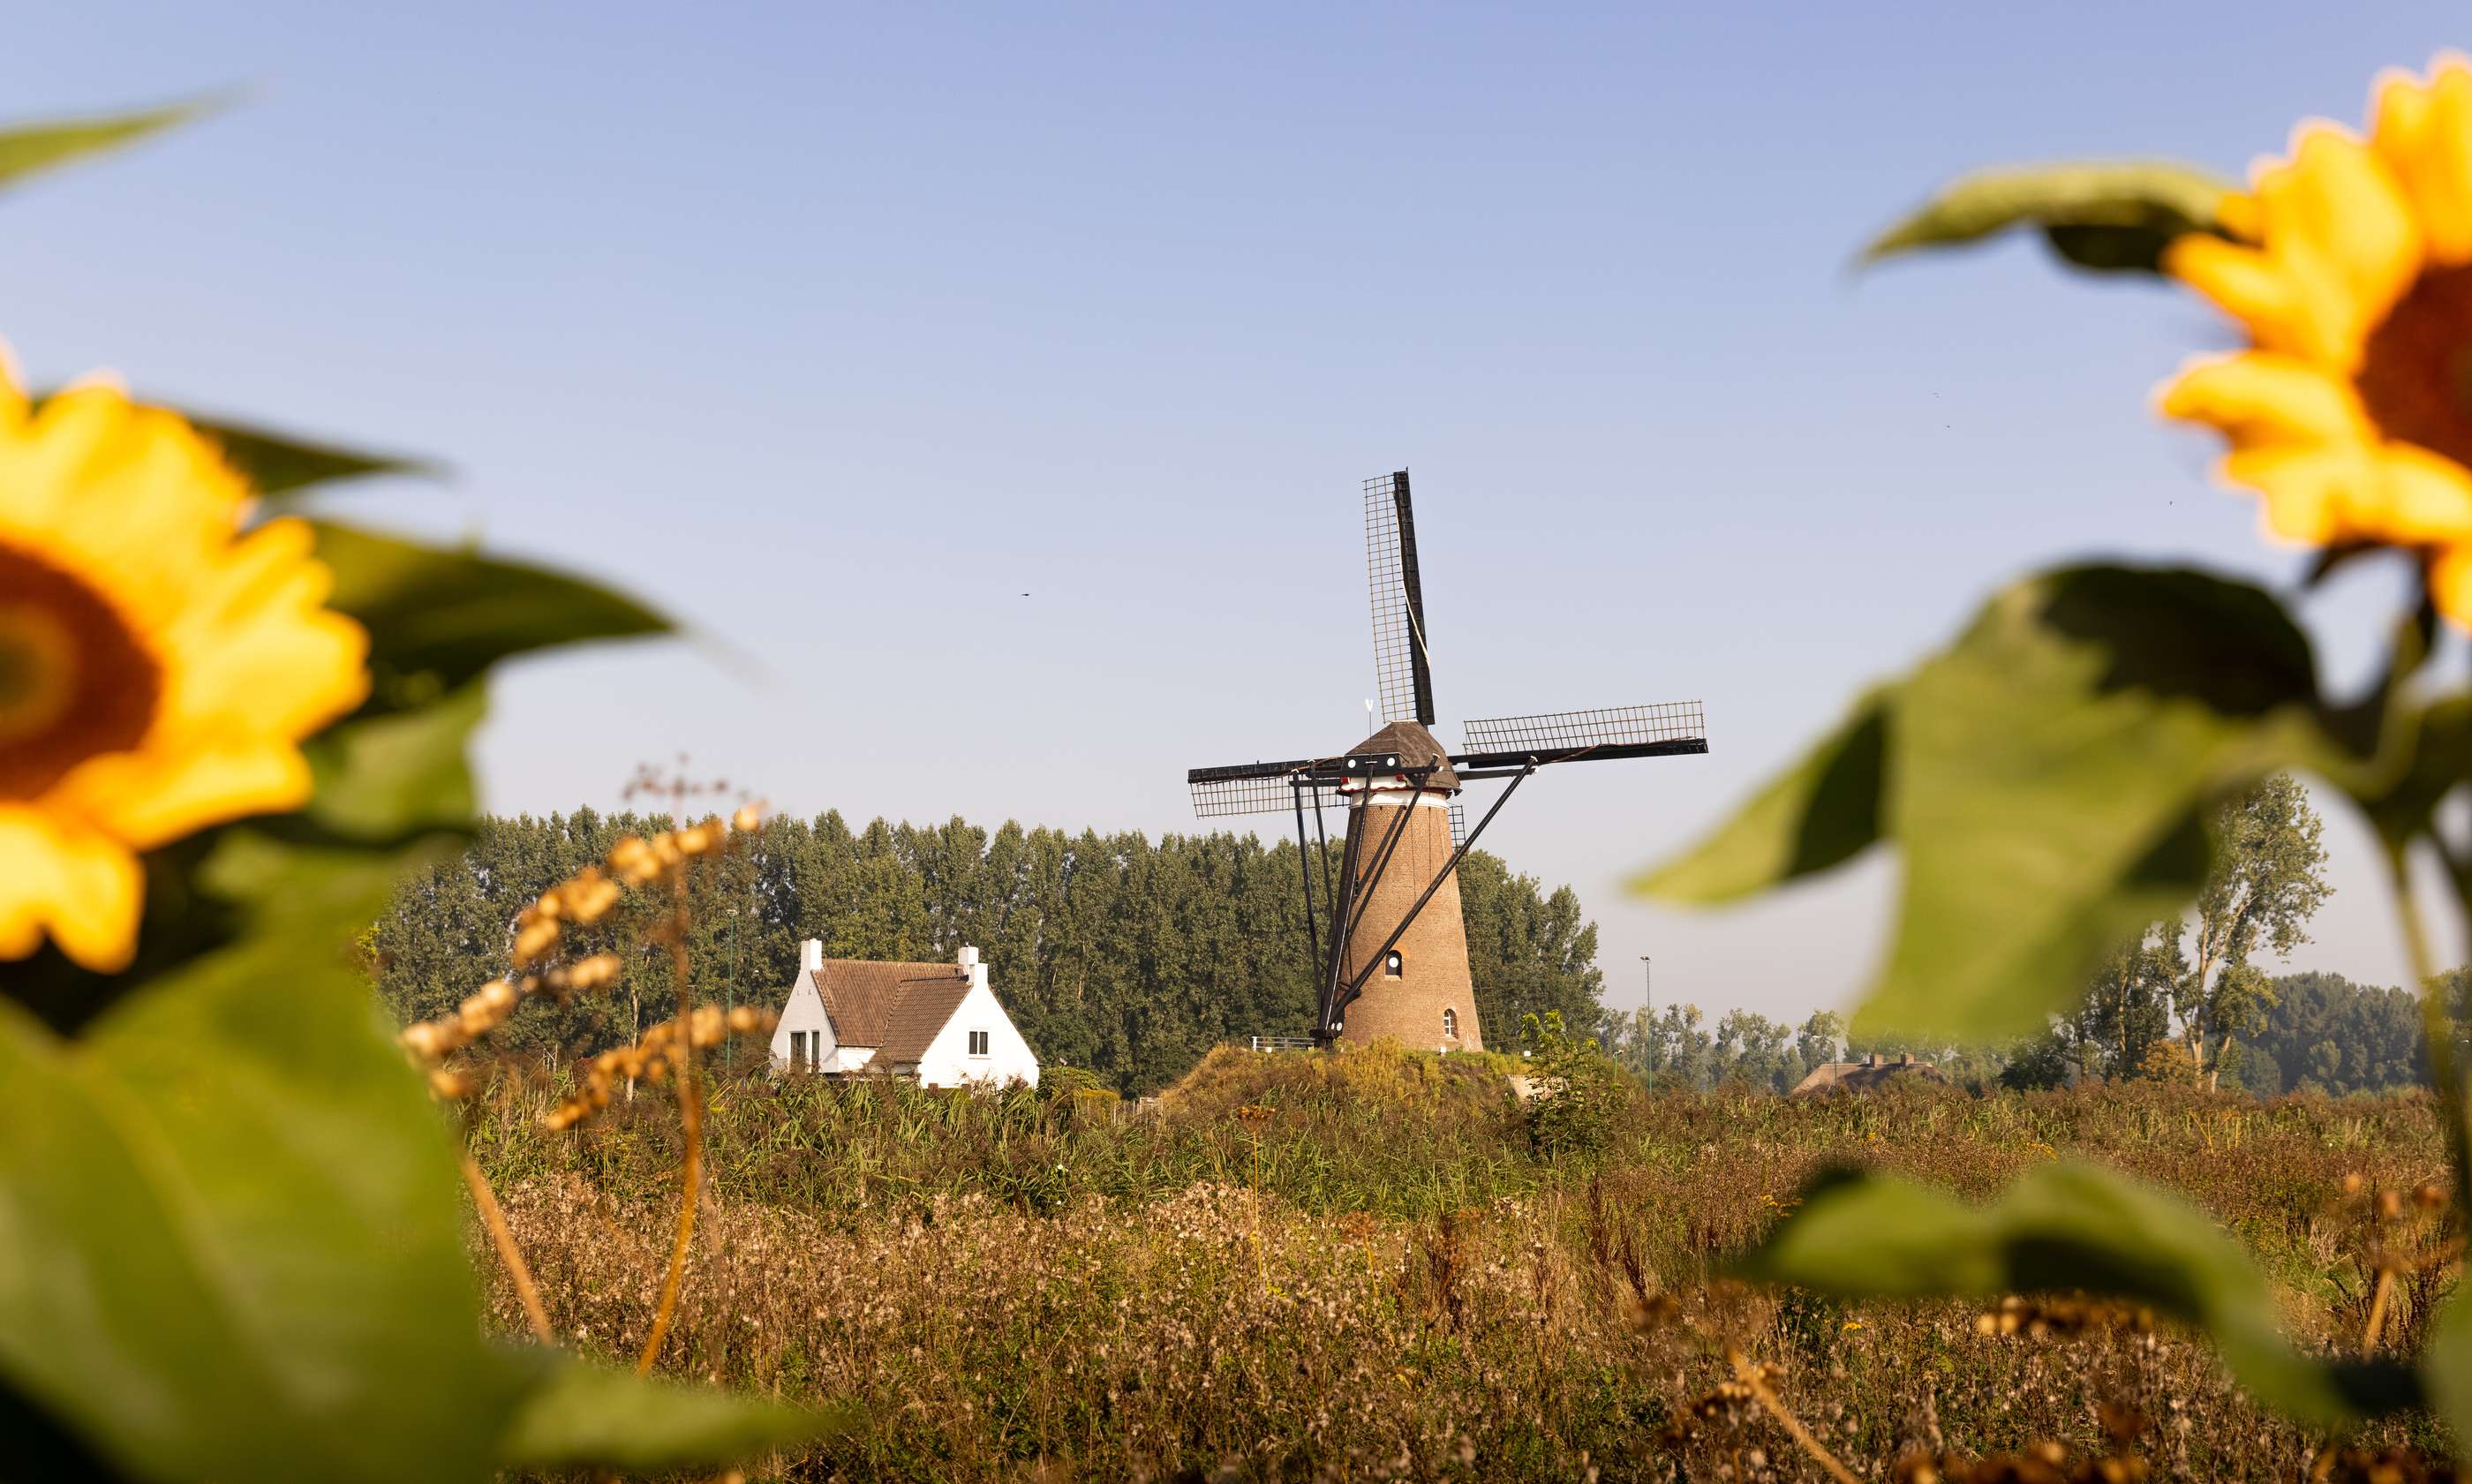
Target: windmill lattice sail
<point>1257,793</point>
<point>1550,732</point>
<point>1402,668</point>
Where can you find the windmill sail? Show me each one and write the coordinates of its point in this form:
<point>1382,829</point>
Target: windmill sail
<point>1258,793</point>
<point>1401,669</point>
<point>1620,731</point>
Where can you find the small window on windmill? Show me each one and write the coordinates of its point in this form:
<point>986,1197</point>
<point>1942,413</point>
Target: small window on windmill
<point>978,1043</point>
<point>1392,963</point>
<point>1450,1022</point>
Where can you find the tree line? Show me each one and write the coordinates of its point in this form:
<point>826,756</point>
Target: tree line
<point>1116,953</point>
<point>2184,1001</point>
<point>2314,1032</point>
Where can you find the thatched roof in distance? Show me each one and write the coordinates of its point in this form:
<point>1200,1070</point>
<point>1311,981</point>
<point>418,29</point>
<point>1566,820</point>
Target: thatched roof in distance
<point>1871,1072</point>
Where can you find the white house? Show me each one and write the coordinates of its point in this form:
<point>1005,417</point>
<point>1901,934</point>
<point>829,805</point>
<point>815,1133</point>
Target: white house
<point>937,1021</point>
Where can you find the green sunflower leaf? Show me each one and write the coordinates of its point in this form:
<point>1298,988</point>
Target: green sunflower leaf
<point>28,148</point>
<point>438,618</point>
<point>2050,775</point>
<point>234,1248</point>
<point>588,1416</point>
<point>395,773</point>
<point>2108,217</point>
<point>280,465</point>
<point>2446,1367</point>
<point>2065,1227</point>
<point>1821,812</point>
<point>2046,778</point>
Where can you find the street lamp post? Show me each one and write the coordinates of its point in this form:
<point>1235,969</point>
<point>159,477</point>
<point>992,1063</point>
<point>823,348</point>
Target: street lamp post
<point>1647,980</point>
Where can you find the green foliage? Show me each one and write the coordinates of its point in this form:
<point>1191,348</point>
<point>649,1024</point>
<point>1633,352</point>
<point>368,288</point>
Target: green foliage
<point>1577,1091</point>
<point>438,620</point>
<point>233,1219</point>
<point>2190,977</point>
<point>1118,954</point>
<point>1746,1051</point>
<point>29,147</point>
<point>1821,812</point>
<point>586,1416</point>
<point>284,464</point>
<point>2324,1033</point>
<point>193,1192</point>
<point>2066,1226</point>
<point>2047,779</point>
<point>2106,217</point>
<point>2448,1369</point>
<point>2267,881</point>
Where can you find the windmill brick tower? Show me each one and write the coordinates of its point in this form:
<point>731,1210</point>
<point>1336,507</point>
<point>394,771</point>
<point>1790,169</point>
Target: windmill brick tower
<point>1396,962</point>
<point>1417,989</point>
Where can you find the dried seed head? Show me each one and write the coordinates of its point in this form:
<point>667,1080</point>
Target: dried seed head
<point>593,972</point>
<point>427,1040</point>
<point>535,939</point>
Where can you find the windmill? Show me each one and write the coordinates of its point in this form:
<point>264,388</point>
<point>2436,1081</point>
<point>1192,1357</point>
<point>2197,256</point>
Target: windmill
<point>1395,959</point>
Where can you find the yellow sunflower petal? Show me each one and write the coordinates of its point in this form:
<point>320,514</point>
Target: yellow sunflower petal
<point>148,798</point>
<point>2420,498</point>
<point>2245,283</point>
<point>2450,584</point>
<point>204,655</point>
<point>130,488</point>
<point>13,396</point>
<point>2424,134</point>
<point>2261,397</point>
<point>2238,215</point>
<point>2337,222</point>
<point>2311,492</point>
<point>80,885</point>
<point>255,642</point>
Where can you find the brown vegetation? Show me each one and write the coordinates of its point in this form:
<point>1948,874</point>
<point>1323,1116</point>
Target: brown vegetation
<point>1020,1285</point>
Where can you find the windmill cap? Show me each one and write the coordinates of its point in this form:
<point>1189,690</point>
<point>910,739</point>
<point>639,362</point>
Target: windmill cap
<point>1415,747</point>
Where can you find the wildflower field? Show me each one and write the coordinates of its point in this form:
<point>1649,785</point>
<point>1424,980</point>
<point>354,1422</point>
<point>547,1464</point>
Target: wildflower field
<point>1020,1285</point>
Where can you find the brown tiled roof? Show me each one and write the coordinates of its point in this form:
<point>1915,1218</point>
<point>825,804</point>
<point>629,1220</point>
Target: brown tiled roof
<point>924,1006</point>
<point>867,1000</point>
<point>1417,747</point>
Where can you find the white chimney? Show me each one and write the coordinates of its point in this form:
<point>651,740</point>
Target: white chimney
<point>811,955</point>
<point>971,965</point>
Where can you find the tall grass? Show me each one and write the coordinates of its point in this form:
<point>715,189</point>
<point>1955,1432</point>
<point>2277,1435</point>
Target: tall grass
<point>1010,1283</point>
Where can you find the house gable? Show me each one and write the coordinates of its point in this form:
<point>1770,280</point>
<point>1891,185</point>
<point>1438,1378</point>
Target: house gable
<point>803,1016</point>
<point>946,1059</point>
<point>938,1022</point>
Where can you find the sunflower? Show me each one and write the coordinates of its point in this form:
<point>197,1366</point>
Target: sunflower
<point>2351,413</point>
<point>158,663</point>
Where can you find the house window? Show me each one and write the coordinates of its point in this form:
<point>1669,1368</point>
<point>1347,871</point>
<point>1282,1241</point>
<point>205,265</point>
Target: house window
<point>1392,963</point>
<point>978,1043</point>
<point>814,1050</point>
<point>1450,1022</point>
<point>797,1048</point>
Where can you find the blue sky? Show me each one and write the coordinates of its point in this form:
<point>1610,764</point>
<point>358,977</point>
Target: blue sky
<point>837,329</point>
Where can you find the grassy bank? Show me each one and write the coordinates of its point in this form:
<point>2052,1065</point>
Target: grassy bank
<point>1014,1284</point>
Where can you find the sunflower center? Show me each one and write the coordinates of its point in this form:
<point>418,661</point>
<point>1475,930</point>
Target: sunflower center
<point>74,681</point>
<point>2416,370</point>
